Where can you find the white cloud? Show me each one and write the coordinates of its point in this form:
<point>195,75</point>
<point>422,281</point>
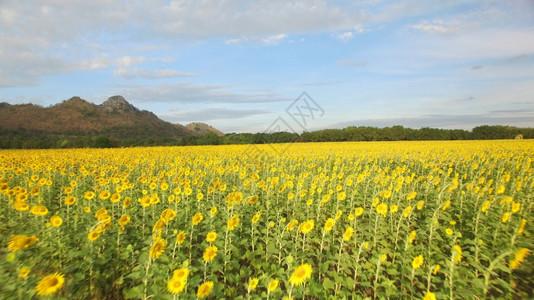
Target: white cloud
<point>128,61</point>
<point>274,39</point>
<point>345,36</point>
<point>150,74</point>
<point>210,114</point>
<point>187,92</point>
<point>438,27</point>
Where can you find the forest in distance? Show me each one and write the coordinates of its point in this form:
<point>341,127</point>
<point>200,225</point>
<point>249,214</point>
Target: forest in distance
<point>26,139</point>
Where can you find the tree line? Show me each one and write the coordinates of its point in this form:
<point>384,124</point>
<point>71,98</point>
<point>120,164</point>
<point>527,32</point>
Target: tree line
<point>22,139</point>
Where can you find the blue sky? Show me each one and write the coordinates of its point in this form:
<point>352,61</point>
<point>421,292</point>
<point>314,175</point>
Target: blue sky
<point>239,65</point>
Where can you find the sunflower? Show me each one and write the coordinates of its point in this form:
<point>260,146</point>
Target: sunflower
<point>522,226</point>
<point>394,208</point>
<point>436,269</point>
<point>211,236</point>
<point>417,262</point>
<point>56,221</point>
<point>505,217</point>
<point>39,210</point>
<point>168,215</point>
<point>382,209</point>
<point>329,224</point>
<point>291,225</point>
<point>50,284</point>
<point>21,206</point>
<point>273,285</point>
<point>252,284</point>
<point>204,289</point>
<point>181,274</point>
<point>449,231</point>
<point>21,242</point>
<point>213,211</point>
<point>158,247</point>
<point>180,237</point>
<point>306,227</point>
<point>197,218</point>
<point>420,205</point>
<point>89,195</point>
<point>115,198</point>
<point>210,253</point>
<point>93,235</point>
<point>457,253</point>
<point>124,219</point>
<point>176,285</point>
<point>407,211</point>
<point>104,195</point>
<point>348,234</point>
<point>232,222</point>
<point>412,236</point>
<point>70,200</point>
<point>24,272</point>
<point>519,257</point>
<point>429,296</point>
<point>301,274</point>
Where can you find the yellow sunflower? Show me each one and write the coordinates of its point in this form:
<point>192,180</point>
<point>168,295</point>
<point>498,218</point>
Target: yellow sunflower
<point>233,222</point>
<point>348,234</point>
<point>301,274</point>
<point>197,218</point>
<point>306,227</point>
<point>56,221</point>
<point>204,289</point>
<point>21,242</point>
<point>210,253</point>
<point>176,285</point>
<point>158,247</point>
<point>211,236</point>
<point>418,262</point>
<point>39,210</point>
<point>93,235</point>
<point>124,219</point>
<point>50,284</point>
<point>273,285</point>
<point>180,237</point>
<point>329,224</point>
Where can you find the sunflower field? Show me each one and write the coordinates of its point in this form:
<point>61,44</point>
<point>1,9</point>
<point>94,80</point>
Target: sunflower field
<point>375,220</point>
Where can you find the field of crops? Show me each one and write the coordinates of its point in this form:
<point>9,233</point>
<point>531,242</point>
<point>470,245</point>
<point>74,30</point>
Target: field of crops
<point>432,220</point>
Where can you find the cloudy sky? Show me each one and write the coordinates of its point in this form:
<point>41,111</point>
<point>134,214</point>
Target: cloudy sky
<point>242,66</point>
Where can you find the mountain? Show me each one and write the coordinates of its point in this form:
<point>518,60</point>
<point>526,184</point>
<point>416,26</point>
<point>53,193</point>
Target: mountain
<point>115,118</point>
<point>202,128</point>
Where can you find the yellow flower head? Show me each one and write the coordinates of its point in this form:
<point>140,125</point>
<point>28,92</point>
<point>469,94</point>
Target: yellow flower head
<point>407,211</point>
<point>519,257</point>
<point>301,274</point>
<point>329,224</point>
<point>382,209</point>
<point>21,242</point>
<point>50,284</point>
<point>211,236</point>
<point>429,296</point>
<point>204,289</point>
<point>197,218</point>
<point>123,220</point>
<point>56,221</point>
<point>232,222</point>
<point>358,211</point>
<point>210,253</point>
<point>39,210</point>
<point>252,284</point>
<point>417,262</point>
<point>348,233</point>
<point>273,285</point>
<point>176,285</point>
<point>436,269</point>
<point>158,247</point>
<point>291,225</point>
<point>180,237</point>
<point>449,231</point>
<point>306,227</point>
<point>24,272</point>
<point>457,253</point>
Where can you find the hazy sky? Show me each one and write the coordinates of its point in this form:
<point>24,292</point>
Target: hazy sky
<point>240,65</point>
